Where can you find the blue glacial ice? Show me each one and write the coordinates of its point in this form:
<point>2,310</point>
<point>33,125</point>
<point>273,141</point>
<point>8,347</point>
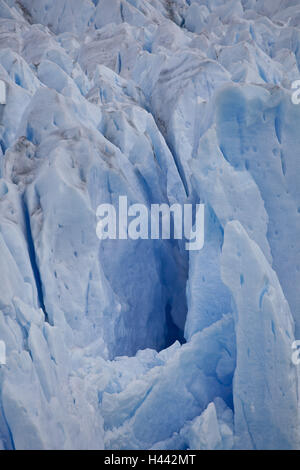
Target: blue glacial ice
<point>140,344</point>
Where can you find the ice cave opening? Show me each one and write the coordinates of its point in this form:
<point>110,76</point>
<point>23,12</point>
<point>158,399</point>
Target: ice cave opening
<point>152,313</point>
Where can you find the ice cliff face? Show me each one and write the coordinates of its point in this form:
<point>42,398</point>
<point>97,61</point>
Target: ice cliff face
<point>138,344</point>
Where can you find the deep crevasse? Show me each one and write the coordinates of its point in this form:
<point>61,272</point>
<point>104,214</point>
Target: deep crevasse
<point>161,101</point>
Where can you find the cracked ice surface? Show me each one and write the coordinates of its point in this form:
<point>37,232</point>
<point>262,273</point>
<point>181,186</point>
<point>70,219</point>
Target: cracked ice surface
<point>138,344</point>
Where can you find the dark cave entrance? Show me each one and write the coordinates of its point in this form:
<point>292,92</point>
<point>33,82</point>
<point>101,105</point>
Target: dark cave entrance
<point>173,332</point>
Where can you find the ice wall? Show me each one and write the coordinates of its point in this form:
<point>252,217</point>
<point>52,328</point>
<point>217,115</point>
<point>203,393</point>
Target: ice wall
<point>162,101</point>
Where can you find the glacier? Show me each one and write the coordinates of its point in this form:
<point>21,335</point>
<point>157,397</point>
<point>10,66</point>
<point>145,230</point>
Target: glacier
<point>134,344</point>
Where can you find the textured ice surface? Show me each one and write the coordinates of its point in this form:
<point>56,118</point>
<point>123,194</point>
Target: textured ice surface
<point>138,344</point>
